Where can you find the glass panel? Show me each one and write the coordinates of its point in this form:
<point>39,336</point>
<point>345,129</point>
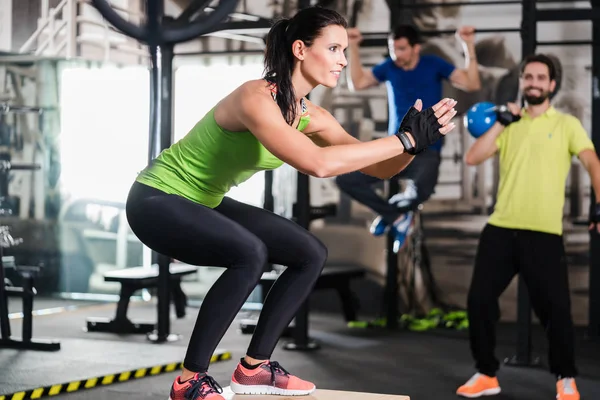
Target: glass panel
<point>91,141</point>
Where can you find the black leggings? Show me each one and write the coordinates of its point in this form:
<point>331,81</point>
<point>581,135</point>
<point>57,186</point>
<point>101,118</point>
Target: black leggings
<point>241,238</point>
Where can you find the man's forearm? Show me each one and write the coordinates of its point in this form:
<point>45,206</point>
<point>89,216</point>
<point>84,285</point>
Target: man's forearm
<point>472,66</point>
<point>485,146</point>
<point>595,181</point>
<point>356,68</point>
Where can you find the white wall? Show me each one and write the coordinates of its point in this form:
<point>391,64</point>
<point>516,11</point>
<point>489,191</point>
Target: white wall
<point>5,25</point>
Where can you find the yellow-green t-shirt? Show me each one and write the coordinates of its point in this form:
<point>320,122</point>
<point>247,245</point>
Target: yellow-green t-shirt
<point>535,158</point>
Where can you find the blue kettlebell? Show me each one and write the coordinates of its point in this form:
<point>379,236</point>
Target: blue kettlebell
<point>480,118</point>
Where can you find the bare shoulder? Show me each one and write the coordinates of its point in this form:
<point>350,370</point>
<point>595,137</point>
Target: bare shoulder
<point>255,87</point>
<point>320,118</point>
<point>249,98</point>
<point>315,109</point>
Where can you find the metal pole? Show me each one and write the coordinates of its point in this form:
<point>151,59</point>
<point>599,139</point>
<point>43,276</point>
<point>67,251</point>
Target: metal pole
<point>523,353</point>
<point>161,128</point>
<point>391,277</point>
<point>301,340</point>
<point>4,320</point>
<point>523,356</point>
<point>269,200</point>
<point>162,136</point>
<point>594,277</point>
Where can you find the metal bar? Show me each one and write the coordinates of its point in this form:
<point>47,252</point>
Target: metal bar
<point>165,127</point>
<point>261,26</point>
<point>71,35</point>
<point>220,53</point>
<point>569,14</point>
<point>301,339</point>
<point>27,323</point>
<point>594,249</point>
<point>4,321</point>
<point>391,297</point>
<point>522,356</point>
<point>45,4</point>
<point>461,3</point>
<point>33,38</point>
<point>239,15</point>
<point>368,35</point>
<point>123,10</point>
<point>6,108</point>
<point>161,107</point>
<point>50,40</point>
<point>269,199</point>
<point>356,7</point>
<point>241,38</point>
<point>477,30</point>
<point>378,39</point>
<point>192,9</point>
<point>479,3</point>
<point>566,43</point>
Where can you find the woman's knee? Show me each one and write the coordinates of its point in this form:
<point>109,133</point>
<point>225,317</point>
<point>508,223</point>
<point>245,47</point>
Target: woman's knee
<point>316,255</point>
<point>321,252</point>
<point>253,259</point>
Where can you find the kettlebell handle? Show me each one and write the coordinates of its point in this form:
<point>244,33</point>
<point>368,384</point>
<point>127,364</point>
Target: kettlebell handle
<point>500,108</point>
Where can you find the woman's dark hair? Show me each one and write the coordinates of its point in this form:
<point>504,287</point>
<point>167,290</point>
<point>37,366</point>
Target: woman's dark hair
<point>306,26</point>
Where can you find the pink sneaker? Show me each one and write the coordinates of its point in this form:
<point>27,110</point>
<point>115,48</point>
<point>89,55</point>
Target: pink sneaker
<point>200,387</point>
<point>268,378</point>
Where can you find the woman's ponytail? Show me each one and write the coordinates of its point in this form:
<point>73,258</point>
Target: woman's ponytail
<point>279,63</point>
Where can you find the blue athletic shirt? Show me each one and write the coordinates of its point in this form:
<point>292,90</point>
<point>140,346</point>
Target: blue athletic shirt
<point>405,87</point>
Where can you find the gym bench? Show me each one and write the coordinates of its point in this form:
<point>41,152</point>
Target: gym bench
<point>336,277</point>
<point>26,292</point>
<point>131,280</point>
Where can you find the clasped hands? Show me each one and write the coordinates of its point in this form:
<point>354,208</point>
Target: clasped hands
<point>426,127</point>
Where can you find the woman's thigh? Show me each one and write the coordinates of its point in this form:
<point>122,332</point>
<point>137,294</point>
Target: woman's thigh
<point>287,242</point>
<point>188,231</point>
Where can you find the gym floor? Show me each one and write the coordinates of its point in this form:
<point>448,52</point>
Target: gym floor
<point>422,365</point>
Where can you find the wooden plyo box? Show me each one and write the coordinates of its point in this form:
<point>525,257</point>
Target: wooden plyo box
<point>318,394</point>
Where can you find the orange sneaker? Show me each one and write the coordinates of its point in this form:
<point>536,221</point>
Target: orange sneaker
<point>566,389</point>
<point>200,387</point>
<point>268,378</point>
<point>479,385</point>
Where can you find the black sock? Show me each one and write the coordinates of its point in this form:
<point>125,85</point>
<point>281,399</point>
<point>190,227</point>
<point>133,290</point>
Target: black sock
<point>558,377</point>
<point>248,366</point>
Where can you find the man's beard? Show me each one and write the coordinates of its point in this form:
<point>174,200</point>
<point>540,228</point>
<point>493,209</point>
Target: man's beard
<point>535,100</point>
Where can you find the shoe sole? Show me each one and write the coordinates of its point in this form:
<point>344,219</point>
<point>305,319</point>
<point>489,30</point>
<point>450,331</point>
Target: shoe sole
<point>486,392</point>
<point>264,389</point>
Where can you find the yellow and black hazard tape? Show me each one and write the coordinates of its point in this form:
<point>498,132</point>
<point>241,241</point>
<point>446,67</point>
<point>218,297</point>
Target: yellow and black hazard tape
<point>105,380</point>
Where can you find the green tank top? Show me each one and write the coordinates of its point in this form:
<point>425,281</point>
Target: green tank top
<point>204,165</point>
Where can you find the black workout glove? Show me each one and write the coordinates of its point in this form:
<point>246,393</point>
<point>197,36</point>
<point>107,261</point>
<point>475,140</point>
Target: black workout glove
<point>505,117</point>
<point>424,128</point>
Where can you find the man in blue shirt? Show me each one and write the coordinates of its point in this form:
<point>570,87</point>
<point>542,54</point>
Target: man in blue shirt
<point>408,76</point>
